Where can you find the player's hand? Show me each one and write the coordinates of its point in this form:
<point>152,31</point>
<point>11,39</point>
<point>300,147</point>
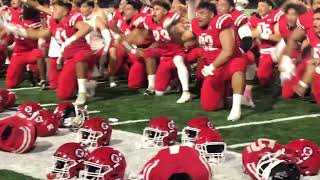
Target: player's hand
<point>172,20</point>
<point>287,68</point>
<point>139,52</point>
<point>67,42</point>
<point>208,70</point>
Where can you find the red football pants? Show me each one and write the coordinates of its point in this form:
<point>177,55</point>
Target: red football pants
<point>265,70</point>
<point>213,87</point>
<point>17,66</point>
<point>67,81</point>
<point>288,86</point>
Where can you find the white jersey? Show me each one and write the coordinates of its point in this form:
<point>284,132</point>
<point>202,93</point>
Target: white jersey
<point>94,38</point>
<point>54,48</point>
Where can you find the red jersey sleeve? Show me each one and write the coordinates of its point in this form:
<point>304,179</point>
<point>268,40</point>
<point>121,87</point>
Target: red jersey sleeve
<point>223,22</point>
<point>77,17</point>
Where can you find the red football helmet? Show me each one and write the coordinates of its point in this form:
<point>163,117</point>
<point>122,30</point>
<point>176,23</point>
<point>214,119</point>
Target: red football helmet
<point>181,162</point>
<point>194,126</point>
<point>67,161</point>
<point>63,111</point>
<point>17,134</point>
<point>104,163</point>
<point>210,145</point>
<point>95,132</point>
<point>28,108</point>
<point>161,132</point>
<point>308,155</point>
<point>45,121</point>
<point>7,98</point>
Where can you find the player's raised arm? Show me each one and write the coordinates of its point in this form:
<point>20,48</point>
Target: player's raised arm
<point>38,6</point>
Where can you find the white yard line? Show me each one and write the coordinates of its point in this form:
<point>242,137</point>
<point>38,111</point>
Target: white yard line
<point>130,122</point>
<point>93,112</point>
<point>234,146</point>
<point>25,88</point>
<point>269,121</point>
<point>50,104</point>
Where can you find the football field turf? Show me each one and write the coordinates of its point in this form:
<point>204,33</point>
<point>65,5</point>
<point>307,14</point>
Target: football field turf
<point>272,118</point>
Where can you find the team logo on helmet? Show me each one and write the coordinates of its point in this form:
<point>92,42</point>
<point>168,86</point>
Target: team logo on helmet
<point>28,109</point>
<point>104,125</point>
<point>171,124</point>
<point>80,153</point>
<point>115,158</point>
<point>210,125</point>
<point>38,119</point>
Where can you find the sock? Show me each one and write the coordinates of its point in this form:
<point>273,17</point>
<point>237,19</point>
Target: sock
<point>151,81</point>
<point>248,91</point>
<point>236,102</point>
<point>82,85</point>
<point>183,72</point>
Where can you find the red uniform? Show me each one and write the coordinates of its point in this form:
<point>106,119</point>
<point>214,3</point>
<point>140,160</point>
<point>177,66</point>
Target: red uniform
<point>176,159</point>
<point>266,25</point>
<point>137,74</point>
<point>253,152</point>
<point>25,52</point>
<point>78,51</point>
<point>305,21</point>
<point>212,90</point>
<point>166,51</point>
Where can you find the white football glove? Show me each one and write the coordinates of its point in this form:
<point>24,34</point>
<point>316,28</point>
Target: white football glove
<point>287,68</point>
<point>208,70</point>
<point>67,42</point>
<point>169,21</point>
<point>264,36</point>
<point>16,30</point>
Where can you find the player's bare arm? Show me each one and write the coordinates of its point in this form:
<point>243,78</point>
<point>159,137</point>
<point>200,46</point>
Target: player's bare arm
<point>276,36</point>
<point>38,6</point>
<point>228,45</point>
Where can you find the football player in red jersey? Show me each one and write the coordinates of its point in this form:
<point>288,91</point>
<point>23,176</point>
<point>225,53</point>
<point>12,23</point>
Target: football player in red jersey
<point>69,30</point>
<point>25,50</point>
<point>167,50</point>
<point>215,36</point>
<point>132,18</point>
<point>304,23</point>
<point>311,75</point>
<point>266,30</point>
<point>243,32</point>
<point>177,163</point>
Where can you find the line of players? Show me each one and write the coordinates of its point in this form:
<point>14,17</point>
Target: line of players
<point>201,145</point>
<point>164,42</point>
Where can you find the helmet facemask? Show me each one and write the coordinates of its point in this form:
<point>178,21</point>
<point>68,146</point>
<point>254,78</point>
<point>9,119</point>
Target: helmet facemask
<point>95,171</point>
<point>89,138</point>
<point>189,135</point>
<point>267,162</point>
<point>61,167</point>
<point>153,137</point>
<point>213,152</point>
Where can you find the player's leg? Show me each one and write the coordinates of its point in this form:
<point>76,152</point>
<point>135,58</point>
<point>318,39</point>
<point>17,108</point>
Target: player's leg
<point>265,70</point>
<point>15,70</point>
<point>67,82</point>
<point>247,98</point>
<point>163,75</point>
<point>53,73</point>
<point>212,91</point>
<point>137,73</point>
<point>235,69</point>
<point>183,75</point>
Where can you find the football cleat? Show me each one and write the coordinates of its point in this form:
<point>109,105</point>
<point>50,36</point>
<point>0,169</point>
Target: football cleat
<point>185,97</point>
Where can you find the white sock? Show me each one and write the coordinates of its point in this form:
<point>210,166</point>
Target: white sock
<point>82,85</point>
<point>151,81</point>
<point>183,72</point>
<point>236,102</point>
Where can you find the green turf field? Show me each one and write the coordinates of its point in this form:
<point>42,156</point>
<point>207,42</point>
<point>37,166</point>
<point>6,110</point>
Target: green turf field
<point>126,105</point>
